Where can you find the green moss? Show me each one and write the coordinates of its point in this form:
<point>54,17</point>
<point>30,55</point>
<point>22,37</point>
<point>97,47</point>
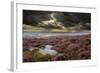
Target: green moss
<point>27,56</point>
<point>40,57</point>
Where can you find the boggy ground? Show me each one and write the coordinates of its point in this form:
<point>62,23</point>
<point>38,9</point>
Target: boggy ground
<point>67,47</point>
